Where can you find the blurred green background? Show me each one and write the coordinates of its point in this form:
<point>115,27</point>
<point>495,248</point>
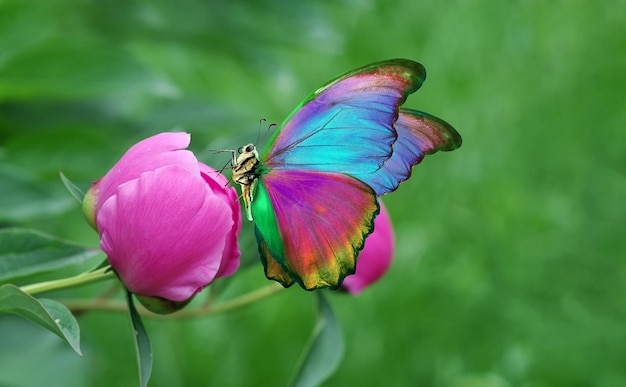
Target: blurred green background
<point>509,268</point>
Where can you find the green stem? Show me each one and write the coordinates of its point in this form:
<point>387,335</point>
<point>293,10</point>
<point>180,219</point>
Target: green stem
<point>205,310</point>
<point>232,304</point>
<point>81,279</point>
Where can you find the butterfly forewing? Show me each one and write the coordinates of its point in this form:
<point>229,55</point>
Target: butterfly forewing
<point>346,126</point>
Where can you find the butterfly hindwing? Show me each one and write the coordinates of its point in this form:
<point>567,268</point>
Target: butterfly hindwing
<point>318,224</point>
<point>419,134</point>
<point>273,269</point>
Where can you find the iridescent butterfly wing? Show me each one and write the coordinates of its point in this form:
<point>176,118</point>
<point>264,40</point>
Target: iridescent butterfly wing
<point>348,142</point>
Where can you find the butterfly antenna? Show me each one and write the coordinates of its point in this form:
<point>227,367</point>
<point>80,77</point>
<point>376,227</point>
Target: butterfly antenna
<point>260,138</point>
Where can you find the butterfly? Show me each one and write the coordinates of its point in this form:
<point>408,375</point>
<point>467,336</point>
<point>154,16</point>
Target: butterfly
<point>312,192</point>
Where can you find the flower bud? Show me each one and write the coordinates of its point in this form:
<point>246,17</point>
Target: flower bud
<point>168,223</point>
<point>375,258</point>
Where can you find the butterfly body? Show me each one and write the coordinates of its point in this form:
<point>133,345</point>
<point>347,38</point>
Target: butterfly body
<point>313,191</point>
<point>245,173</point>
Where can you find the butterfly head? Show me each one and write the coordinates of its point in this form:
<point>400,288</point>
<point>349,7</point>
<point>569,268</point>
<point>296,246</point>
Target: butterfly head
<point>245,153</point>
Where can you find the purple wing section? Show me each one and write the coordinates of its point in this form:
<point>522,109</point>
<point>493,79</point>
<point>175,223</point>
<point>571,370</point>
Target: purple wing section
<point>419,134</point>
<point>323,219</point>
<point>347,126</point>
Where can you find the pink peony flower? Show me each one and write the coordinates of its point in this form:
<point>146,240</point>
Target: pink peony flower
<point>168,223</point>
<point>375,258</point>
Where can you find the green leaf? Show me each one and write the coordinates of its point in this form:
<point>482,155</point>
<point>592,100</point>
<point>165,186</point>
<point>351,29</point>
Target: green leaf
<point>142,343</point>
<point>77,67</point>
<point>325,350</point>
<point>49,314</point>
<point>74,190</point>
<point>16,27</point>
<point>26,197</point>
<point>26,253</point>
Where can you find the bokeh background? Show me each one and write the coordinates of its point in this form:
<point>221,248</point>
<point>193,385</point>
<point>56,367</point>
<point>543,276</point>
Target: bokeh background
<point>509,268</point>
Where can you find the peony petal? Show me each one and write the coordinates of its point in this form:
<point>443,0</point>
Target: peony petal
<point>375,258</point>
<point>165,232</point>
<point>147,155</point>
<point>216,176</point>
<point>220,187</point>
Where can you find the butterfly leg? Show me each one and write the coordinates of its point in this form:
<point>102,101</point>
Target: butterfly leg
<point>233,153</point>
